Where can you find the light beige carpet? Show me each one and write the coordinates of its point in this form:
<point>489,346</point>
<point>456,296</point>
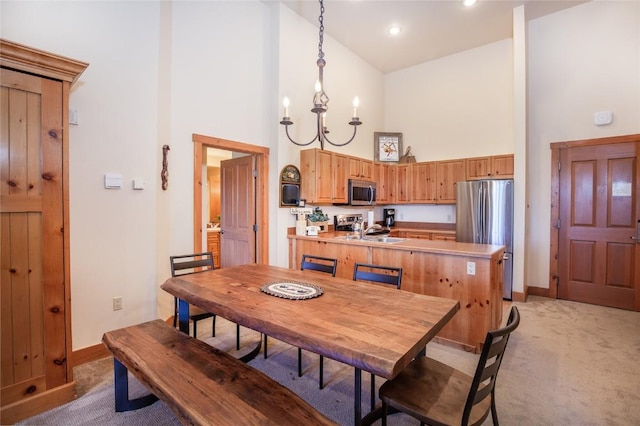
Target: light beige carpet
<point>567,364</point>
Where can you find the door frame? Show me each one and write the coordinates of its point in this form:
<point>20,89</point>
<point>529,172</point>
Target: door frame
<point>262,189</point>
<point>556,147</point>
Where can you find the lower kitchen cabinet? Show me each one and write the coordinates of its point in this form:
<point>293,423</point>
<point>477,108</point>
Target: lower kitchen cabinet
<point>213,245</point>
<point>431,269</point>
<point>347,255</point>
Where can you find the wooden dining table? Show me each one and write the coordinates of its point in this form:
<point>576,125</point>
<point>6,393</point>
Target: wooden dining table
<point>368,326</point>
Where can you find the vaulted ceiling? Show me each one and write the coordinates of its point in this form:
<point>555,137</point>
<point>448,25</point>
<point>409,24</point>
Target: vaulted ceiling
<point>430,29</point>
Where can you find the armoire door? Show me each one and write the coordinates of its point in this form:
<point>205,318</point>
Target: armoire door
<point>34,349</point>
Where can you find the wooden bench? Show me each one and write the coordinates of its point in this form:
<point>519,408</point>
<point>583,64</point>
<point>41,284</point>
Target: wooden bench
<point>201,384</point>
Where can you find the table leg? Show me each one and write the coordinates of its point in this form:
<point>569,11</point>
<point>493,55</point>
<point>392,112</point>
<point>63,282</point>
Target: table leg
<point>357,397</point>
<point>183,316</point>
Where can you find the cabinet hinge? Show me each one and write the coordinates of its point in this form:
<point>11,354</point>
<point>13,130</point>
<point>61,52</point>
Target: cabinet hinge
<point>255,173</point>
<point>255,227</point>
<point>558,224</point>
<point>559,165</point>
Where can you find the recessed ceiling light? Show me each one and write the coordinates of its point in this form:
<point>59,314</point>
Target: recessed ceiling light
<point>394,30</point>
<point>469,3</point>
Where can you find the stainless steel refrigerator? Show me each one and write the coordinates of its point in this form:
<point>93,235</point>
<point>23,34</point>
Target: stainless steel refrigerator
<point>484,215</point>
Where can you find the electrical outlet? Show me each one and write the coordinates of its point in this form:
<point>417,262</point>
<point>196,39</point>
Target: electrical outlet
<point>117,303</point>
<point>471,268</point>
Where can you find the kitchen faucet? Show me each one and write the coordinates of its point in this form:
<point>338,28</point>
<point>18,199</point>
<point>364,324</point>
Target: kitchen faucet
<point>364,232</point>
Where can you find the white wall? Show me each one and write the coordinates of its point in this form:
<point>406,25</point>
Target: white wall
<point>454,107</point>
<point>112,232</point>
<point>581,60</point>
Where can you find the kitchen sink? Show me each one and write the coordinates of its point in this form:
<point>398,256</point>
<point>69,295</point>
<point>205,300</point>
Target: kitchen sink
<point>371,238</point>
<point>384,239</point>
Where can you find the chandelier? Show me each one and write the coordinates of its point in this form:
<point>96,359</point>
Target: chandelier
<point>320,101</point>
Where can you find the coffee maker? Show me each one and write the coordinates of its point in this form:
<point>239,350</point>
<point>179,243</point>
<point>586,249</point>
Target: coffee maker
<point>389,217</point>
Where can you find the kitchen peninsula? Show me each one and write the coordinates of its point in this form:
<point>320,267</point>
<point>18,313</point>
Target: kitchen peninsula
<point>469,273</point>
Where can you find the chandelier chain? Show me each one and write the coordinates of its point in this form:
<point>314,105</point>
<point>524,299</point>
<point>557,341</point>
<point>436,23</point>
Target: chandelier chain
<point>320,100</point>
<point>321,32</point>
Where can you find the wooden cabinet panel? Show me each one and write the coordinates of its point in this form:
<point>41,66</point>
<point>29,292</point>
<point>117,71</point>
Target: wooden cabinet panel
<point>324,176</point>
<point>480,295</point>
<point>403,183</point>
<point>443,236</point>
<point>502,166</point>
<point>347,255</point>
<point>423,181</point>
<point>340,183</point>
<point>419,235</point>
<point>392,185</point>
<point>381,177</point>
<point>495,167</point>
<point>213,245</point>
<point>360,168</point>
<point>449,173</point>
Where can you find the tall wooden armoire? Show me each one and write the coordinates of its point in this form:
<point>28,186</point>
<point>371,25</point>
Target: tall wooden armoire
<point>35,317</point>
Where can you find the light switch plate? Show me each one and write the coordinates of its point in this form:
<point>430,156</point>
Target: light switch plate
<point>113,181</point>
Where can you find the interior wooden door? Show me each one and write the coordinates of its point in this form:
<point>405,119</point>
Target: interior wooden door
<point>34,338</point>
<point>599,254</point>
<point>238,204</point>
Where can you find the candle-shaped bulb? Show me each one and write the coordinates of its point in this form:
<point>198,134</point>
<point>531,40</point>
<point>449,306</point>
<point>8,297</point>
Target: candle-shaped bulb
<point>356,104</point>
<point>324,120</point>
<point>318,86</point>
<point>285,103</point>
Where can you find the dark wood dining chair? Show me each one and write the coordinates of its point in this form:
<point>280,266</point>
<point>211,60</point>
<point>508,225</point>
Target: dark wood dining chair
<point>378,274</point>
<point>320,264</point>
<point>193,264</point>
<point>436,393</point>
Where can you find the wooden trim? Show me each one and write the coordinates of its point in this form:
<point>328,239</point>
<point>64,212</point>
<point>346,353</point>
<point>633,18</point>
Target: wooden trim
<point>516,296</point>
<point>39,62</point>
<point>554,241</point>
<point>598,141</point>
<point>89,354</point>
<point>37,404</point>
<point>262,189</point>
<point>542,292</point>
<point>556,148</point>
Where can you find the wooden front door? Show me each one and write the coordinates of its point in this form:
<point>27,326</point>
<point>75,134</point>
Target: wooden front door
<point>238,203</point>
<point>34,339</point>
<point>599,254</point>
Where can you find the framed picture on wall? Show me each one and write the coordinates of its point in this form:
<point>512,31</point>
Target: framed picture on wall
<point>387,147</point>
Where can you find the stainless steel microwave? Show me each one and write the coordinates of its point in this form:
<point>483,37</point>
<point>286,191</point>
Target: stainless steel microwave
<point>362,192</point>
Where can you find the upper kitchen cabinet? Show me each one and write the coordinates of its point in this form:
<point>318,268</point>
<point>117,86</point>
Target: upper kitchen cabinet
<point>324,176</point>
<point>403,183</point>
<point>382,179</point>
<point>448,174</point>
<point>360,168</point>
<point>494,167</point>
<point>423,182</point>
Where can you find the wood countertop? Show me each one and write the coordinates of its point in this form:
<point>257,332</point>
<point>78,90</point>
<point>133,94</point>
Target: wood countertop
<point>411,244</point>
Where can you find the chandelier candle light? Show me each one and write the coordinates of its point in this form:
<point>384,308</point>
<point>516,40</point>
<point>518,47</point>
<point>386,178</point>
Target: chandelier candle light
<point>320,101</point>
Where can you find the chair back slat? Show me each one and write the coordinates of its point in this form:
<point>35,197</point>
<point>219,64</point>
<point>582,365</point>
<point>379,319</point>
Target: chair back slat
<point>317,263</point>
<point>189,263</point>
<point>490,359</point>
<point>378,274</point>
